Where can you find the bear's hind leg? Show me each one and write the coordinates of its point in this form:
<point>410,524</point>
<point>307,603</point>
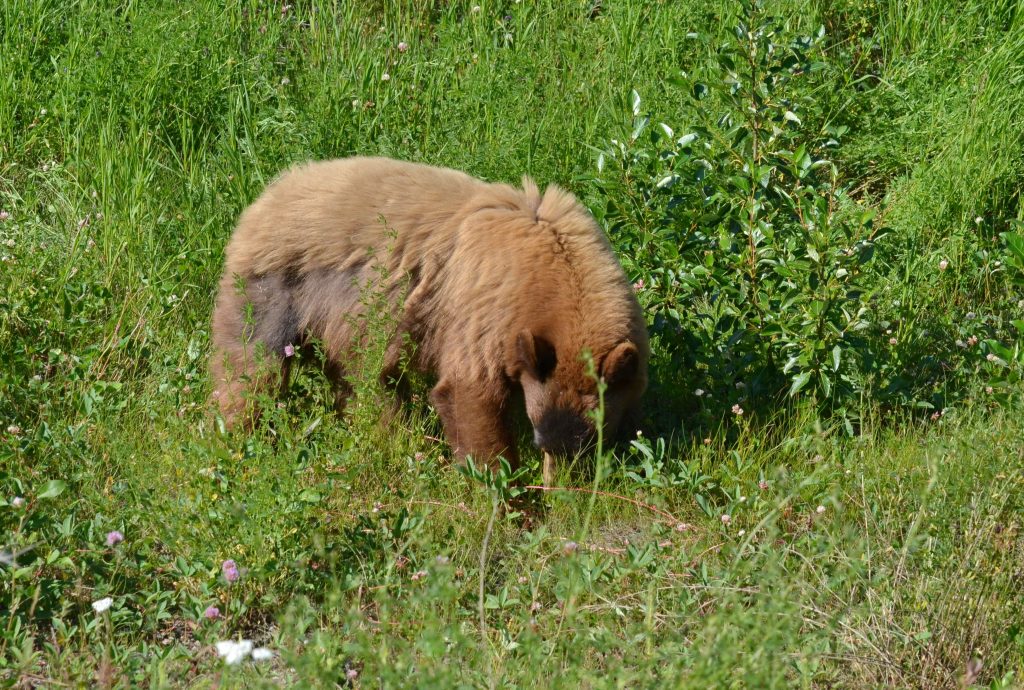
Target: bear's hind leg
<point>253,324</point>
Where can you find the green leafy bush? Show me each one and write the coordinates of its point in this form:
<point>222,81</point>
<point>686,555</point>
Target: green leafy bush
<point>758,262</point>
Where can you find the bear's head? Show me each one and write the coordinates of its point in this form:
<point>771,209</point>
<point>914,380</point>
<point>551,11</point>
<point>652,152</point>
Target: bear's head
<point>561,398</point>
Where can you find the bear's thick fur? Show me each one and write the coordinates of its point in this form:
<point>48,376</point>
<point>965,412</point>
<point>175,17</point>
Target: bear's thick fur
<point>498,288</point>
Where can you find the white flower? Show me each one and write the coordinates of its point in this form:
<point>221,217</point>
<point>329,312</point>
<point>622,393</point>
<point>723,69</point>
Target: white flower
<point>943,265</point>
<point>403,46</point>
<point>262,654</point>
<point>385,77</point>
<point>17,501</point>
<point>102,605</point>
<point>476,9</point>
<point>978,220</point>
<point>819,510</point>
<point>699,392</point>
<point>233,652</point>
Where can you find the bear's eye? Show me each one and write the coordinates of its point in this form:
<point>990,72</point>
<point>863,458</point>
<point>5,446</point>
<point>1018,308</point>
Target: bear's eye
<point>546,359</point>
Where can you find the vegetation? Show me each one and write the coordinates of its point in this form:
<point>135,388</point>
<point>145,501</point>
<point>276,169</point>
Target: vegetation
<point>819,203</point>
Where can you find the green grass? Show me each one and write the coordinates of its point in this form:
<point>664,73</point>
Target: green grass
<point>361,547</point>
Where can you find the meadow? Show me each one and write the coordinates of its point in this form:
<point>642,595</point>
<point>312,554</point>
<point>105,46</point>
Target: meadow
<point>818,202</point>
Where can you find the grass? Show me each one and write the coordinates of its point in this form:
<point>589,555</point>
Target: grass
<point>132,135</point>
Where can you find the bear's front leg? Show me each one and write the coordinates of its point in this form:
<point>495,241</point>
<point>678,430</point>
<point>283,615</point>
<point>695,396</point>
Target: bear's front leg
<point>475,418</point>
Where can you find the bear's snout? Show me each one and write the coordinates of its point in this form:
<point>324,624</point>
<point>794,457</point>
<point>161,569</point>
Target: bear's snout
<point>563,432</point>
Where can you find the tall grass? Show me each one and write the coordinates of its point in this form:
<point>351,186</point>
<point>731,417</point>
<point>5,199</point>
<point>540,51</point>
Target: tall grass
<point>359,543</point>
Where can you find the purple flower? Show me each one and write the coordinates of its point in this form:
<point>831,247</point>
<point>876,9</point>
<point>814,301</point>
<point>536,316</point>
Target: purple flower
<point>289,350</point>
<point>230,570</point>
<point>211,613</point>
<point>402,47</point>
<point>114,538</point>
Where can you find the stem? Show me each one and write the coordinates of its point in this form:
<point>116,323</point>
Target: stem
<point>495,505</point>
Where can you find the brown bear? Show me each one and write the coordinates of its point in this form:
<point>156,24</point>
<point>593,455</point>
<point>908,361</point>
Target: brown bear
<point>499,290</point>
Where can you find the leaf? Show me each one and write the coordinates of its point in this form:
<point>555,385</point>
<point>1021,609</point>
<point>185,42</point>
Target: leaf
<point>52,489</point>
<point>687,139</point>
<point>799,381</point>
<point>836,354</point>
<point>634,98</point>
<point>309,496</point>
<point>791,116</point>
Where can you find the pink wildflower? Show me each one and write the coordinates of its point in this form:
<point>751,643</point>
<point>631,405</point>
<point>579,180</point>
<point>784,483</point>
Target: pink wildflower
<point>230,570</point>
<point>114,538</point>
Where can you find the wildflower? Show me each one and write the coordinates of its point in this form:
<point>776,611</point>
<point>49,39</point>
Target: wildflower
<point>42,111</point>
<point>14,429</point>
<point>972,341</point>
<point>535,606</point>
<point>737,410</point>
<point>419,575</point>
<point>743,499</point>
<point>230,570</point>
<point>233,652</point>
<point>819,510</point>
<point>523,579</point>
<point>726,519</point>
<point>707,442</point>
<point>285,81</point>
<point>4,215</point>
<point>893,341</point>
<point>262,654</point>
<point>385,77</point>
<point>988,389</point>
<point>977,220</point>
<point>741,532</point>
<point>970,316</point>
<point>403,46</point>
<point>211,613</point>
<point>442,560</point>
<point>102,604</point>
<point>289,350</point>
<point>682,527</point>
<point>377,507</point>
<point>356,103</point>
<point>476,9</point>
<point>960,343</point>
<point>569,547</point>
<point>18,501</point>
<point>114,538</point>
<point>699,392</point>
<point>943,265</point>
<point>419,456</point>
<point>762,485</point>
<point>639,285</point>
<point>351,674</point>
<point>991,357</point>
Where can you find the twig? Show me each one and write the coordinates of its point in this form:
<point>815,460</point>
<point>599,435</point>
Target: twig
<point>641,504</point>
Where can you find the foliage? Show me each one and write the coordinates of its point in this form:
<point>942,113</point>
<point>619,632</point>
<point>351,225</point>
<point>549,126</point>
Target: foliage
<point>715,549</point>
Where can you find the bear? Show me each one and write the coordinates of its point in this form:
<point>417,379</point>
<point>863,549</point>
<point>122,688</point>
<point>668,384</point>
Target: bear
<point>499,291</point>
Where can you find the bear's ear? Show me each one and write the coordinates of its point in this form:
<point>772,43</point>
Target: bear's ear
<point>621,364</point>
<point>535,355</point>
